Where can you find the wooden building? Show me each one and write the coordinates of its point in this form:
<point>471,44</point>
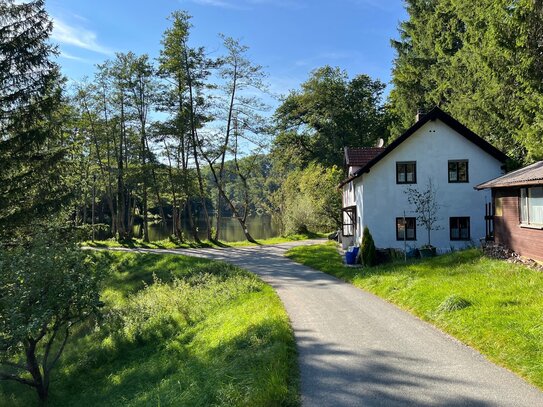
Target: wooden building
<point>518,210</point>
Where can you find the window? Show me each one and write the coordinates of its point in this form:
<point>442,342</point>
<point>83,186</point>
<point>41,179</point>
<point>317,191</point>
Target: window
<point>458,171</point>
<point>406,172</point>
<point>407,231</point>
<point>531,206</point>
<point>349,219</point>
<point>460,228</point>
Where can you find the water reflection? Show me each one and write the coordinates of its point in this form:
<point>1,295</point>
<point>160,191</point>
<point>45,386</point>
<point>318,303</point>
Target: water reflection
<point>260,227</point>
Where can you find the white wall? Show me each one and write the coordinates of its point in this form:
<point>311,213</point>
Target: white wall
<point>381,200</point>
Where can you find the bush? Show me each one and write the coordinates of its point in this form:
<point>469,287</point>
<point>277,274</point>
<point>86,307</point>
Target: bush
<point>46,287</point>
<point>368,254</point>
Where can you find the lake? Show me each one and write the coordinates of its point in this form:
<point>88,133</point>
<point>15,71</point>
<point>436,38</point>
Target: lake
<point>260,227</point>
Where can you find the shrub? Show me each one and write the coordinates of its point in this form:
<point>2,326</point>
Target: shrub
<point>368,254</point>
<point>46,287</point>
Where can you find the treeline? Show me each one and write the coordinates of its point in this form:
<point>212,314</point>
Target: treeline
<point>480,61</point>
<point>189,138</point>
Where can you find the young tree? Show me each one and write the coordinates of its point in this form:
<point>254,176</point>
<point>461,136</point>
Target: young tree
<point>46,288</point>
<point>238,112</point>
<point>31,157</point>
<point>426,207</point>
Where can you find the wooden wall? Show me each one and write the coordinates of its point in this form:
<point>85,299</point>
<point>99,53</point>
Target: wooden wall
<point>507,230</point>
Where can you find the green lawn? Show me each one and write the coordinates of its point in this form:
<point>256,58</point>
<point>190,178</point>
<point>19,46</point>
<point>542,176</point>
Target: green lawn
<point>167,244</point>
<point>177,331</point>
<point>491,305</point>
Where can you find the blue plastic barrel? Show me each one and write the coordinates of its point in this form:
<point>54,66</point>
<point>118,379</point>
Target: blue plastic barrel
<point>350,255</point>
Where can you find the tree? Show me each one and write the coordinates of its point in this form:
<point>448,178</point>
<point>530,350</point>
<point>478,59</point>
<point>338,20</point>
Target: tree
<point>330,112</point>
<point>368,255</point>
<point>46,288</point>
<point>308,200</point>
<point>31,155</point>
<point>238,112</point>
<point>426,207</point>
<point>478,61</point>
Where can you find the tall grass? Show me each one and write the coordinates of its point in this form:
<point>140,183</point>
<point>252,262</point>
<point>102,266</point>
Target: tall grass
<point>491,305</point>
<point>177,331</point>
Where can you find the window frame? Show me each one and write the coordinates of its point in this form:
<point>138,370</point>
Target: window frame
<point>398,163</point>
<point>457,171</point>
<point>410,218</point>
<point>527,222</point>
<point>459,238</point>
<point>350,211</point>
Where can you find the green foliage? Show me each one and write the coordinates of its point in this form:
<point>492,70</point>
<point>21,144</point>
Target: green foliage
<point>177,331</point>
<point>330,111</point>
<point>31,156</point>
<point>309,200</point>
<point>503,321</point>
<point>478,61</point>
<point>368,254</point>
<point>46,288</point>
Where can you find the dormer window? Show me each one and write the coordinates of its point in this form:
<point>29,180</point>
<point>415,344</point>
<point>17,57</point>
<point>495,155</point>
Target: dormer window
<point>406,172</point>
<point>458,171</point>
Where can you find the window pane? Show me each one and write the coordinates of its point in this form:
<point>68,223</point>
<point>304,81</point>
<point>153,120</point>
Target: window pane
<point>401,176</point>
<point>535,205</point>
<point>411,232</point>
<point>523,206</point>
<point>452,172</point>
<point>462,171</point>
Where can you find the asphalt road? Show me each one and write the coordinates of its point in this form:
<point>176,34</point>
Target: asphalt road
<point>358,350</point>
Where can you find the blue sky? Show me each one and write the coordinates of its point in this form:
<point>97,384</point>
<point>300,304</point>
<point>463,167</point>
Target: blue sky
<point>288,37</point>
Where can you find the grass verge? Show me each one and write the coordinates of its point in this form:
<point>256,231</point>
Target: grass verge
<point>491,305</point>
<point>168,244</point>
<point>177,331</point>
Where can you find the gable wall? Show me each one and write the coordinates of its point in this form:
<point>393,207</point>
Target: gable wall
<point>431,146</point>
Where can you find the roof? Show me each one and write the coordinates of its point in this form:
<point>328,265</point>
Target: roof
<point>530,175</point>
<point>360,156</point>
<point>434,114</point>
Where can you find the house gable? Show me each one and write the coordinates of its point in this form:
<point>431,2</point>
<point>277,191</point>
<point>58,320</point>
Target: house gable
<point>435,114</point>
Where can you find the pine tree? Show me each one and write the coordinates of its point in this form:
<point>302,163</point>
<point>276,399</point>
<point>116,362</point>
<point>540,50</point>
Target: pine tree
<point>30,153</point>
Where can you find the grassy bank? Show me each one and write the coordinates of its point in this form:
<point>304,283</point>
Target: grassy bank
<point>177,331</point>
<point>168,244</point>
<point>491,305</point>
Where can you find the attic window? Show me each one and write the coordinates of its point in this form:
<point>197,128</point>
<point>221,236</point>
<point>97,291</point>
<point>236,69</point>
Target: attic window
<point>406,172</point>
<point>458,171</point>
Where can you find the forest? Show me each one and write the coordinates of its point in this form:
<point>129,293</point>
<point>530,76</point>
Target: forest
<point>187,140</point>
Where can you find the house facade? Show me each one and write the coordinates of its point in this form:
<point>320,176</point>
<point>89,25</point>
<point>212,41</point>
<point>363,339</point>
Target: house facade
<point>518,210</point>
<point>437,150</point>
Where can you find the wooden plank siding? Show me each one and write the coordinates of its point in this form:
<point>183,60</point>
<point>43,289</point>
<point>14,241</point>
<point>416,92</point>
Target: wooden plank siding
<point>507,230</point>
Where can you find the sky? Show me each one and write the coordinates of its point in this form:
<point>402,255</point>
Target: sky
<point>289,38</point>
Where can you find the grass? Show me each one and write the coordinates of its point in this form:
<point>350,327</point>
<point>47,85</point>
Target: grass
<point>169,244</point>
<point>177,331</point>
<point>491,305</point>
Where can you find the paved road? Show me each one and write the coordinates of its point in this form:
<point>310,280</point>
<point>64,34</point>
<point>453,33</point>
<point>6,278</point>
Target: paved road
<point>358,350</point>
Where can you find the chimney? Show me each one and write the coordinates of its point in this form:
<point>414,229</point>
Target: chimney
<point>419,115</point>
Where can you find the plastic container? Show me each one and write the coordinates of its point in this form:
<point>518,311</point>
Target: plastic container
<point>350,255</point>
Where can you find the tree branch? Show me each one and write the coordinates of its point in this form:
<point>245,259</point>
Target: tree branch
<point>8,376</point>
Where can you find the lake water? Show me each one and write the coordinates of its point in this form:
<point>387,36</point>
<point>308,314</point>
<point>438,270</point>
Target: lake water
<point>260,227</point>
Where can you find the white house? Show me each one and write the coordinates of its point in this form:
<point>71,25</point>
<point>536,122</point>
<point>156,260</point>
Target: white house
<point>436,148</point>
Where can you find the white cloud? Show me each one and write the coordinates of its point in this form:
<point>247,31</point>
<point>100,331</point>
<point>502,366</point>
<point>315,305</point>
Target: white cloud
<point>67,55</point>
<point>77,36</point>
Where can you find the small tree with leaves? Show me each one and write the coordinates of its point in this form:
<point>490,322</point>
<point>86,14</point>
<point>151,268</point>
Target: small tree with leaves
<point>426,207</point>
<point>368,254</point>
<point>46,288</point>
